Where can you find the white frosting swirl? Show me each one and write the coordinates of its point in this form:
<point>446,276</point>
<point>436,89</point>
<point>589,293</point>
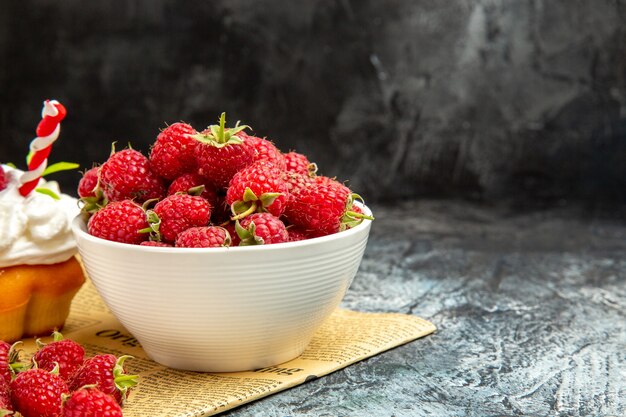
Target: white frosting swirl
<point>35,229</point>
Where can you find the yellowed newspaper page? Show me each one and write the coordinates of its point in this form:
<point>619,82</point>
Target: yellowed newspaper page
<point>346,337</point>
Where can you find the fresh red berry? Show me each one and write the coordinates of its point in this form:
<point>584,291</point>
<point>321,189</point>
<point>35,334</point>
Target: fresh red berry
<point>5,397</point>
<point>38,393</point>
<point>90,192</point>
<point>321,208</point>
<point>296,234</point>
<point>220,153</point>
<point>232,231</point>
<point>179,212</point>
<point>173,152</point>
<point>9,361</point>
<point>155,243</point>
<point>264,150</point>
<point>127,175</point>
<point>297,162</point>
<point>120,221</point>
<point>295,180</point>
<point>262,229</point>
<point>107,373</point>
<point>91,402</point>
<point>88,182</point>
<point>68,354</point>
<point>204,237</point>
<point>3,179</point>
<point>188,182</point>
<point>259,186</point>
<point>5,365</point>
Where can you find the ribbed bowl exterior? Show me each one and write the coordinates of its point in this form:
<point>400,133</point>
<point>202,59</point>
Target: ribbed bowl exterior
<point>223,309</point>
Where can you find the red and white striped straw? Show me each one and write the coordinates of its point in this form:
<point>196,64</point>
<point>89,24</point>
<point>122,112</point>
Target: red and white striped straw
<point>47,132</point>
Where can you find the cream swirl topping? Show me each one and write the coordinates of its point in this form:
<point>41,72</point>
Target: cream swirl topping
<point>35,229</point>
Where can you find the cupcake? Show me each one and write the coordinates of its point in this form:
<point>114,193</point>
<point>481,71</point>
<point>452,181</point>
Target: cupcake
<point>39,274</point>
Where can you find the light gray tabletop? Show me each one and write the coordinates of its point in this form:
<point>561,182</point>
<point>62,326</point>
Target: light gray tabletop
<point>530,307</point>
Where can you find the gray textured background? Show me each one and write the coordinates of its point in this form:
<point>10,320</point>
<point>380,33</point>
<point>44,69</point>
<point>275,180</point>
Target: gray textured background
<point>480,99</point>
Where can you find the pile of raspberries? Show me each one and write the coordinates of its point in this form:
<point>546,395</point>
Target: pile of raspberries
<point>215,188</point>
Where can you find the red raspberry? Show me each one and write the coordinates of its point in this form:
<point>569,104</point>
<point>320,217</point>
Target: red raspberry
<point>232,231</point>
<point>88,182</point>
<point>10,361</point>
<point>68,354</point>
<point>90,192</point>
<point>155,243</point>
<point>107,373</point>
<point>5,361</point>
<point>323,208</point>
<point>119,221</point>
<point>5,397</point>
<point>264,150</point>
<point>179,212</point>
<point>189,181</point>
<point>258,187</point>
<point>262,229</point>
<point>296,180</point>
<point>127,175</point>
<point>296,162</point>
<point>203,237</point>
<point>3,179</point>
<point>296,234</point>
<point>91,402</point>
<point>220,153</point>
<point>173,152</point>
<point>37,393</point>
<point>320,179</point>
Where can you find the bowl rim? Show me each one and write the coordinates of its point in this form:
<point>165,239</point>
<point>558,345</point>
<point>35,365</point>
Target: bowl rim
<point>79,229</point>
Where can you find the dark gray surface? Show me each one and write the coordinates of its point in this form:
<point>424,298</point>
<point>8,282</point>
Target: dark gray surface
<point>476,98</point>
<point>530,310</point>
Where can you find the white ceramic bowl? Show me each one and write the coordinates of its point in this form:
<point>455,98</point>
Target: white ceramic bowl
<point>223,309</point>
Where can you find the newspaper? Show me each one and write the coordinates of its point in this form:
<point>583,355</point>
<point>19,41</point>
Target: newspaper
<point>345,338</point>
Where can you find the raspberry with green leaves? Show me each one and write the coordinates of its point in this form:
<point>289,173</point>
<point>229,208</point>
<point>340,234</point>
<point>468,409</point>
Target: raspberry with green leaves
<point>120,221</point>
<point>91,402</point>
<point>258,187</point>
<point>194,184</point>
<point>204,237</point>
<point>88,182</point>
<point>90,192</point>
<point>231,228</point>
<point>127,175</point>
<point>64,353</point>
<point>38,393</point>
<point>173,152</point>
<point>323,208</point>
<point>177,213</point>
<point>220,152</point>
<point>107,373</point>
<point>261,229</point>
<point>10,360</point>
